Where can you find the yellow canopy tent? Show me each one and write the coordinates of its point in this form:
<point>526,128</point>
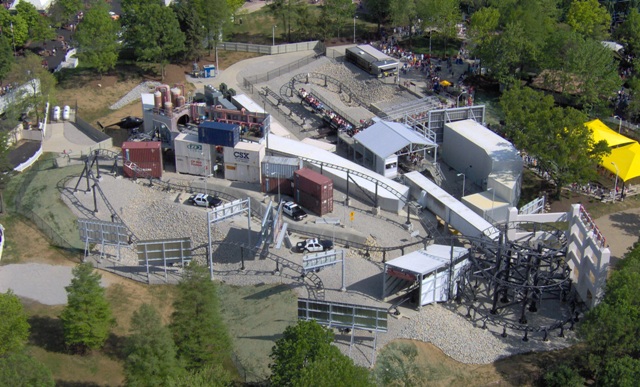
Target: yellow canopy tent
<point>603,132</point>
<point>626,158</point>
<point>625,152</point>
<point>445,83</point>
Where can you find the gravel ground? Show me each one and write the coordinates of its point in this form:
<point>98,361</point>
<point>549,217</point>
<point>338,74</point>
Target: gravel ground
<point>155,214</point>
<point>134,94</point>
<point>42,283</point>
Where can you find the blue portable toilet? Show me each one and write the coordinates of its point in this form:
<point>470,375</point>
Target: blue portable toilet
<point>209,71</point>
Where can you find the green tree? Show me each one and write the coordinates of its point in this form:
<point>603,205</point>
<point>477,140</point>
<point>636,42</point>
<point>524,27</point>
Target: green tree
<point>622,372</point>
<point>555,136</point>
<point>331,368</point>
<point>304,356</point>
<point>287,11</point>
<point>336,13</point>
<point>63,11</point>
<point>191,27</point>
<point>629,33</point>
<point>97,38</point>
<point>562,376</point>
<point>14,328</point>
<point>151,353</point>
<point>41,86</point>
<point>404,13</point>
<point>610,329</point>
<point>152,31</point>
<point>87,317</point>
<point>14,27</point>
<point>589,18</point>
<point>506,53</point>
<point>378,11</point>
<point>21,370</point>
<point>484,24</point>
<point>39,28</point>
<point>444,15</point>
<point>212,375</point>
<point>198,330</point>
<point>583,70</point>
<point>6,56</point>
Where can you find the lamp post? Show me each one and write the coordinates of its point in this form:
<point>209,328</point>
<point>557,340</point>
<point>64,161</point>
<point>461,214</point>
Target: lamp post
<point>619,122</point>
<point>354,28</point>
<point>615,187</point>
<point>464,180</point>
<point>273,35</point>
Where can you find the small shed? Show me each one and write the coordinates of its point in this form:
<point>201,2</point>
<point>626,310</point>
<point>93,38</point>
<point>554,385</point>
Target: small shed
<point>379,146</point>
<point>428,275</point>
<point>209,71</point>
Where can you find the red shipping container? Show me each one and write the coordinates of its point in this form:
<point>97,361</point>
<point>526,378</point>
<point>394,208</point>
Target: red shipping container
<point>153,169</point>
<point>315,205</point>
<point>313,183</point>
<point>147,155</point>
<point>270,185</point>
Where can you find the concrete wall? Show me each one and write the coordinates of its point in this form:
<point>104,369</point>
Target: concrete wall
<point>587,252</point>
<point>460,153</point>
<point>270,50</point>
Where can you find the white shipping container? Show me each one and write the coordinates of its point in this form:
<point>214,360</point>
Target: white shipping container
<point>248,153</point>
<point>242,172</point>
<point>193,157</point>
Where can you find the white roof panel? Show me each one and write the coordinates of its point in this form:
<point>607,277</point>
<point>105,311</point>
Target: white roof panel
<point>385,138</point>
<point>429,260</point>
<point>299,149</point>
<point>499,149</point>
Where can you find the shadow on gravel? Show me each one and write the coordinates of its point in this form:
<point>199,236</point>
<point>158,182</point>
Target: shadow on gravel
<point>369,286</point>
<point>47,333</point>
<point>266,293</point>
<point>628,223</point>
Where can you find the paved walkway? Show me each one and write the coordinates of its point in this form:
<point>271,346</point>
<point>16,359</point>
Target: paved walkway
<point>622,230</point>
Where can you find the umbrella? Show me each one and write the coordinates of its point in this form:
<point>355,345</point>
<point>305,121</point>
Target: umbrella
<point>445,83</point>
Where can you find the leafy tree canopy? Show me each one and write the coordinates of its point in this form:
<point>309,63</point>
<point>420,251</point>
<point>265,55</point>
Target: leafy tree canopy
<point>14,27</point>
<point>212,375</point>
<point>6,56</point>
<point>87,318</point>
<point>98,38</point>
<point>198,330</point>
<point>629,33</point>
<point>304,356</point>
<point>41,86</point>
<point>39,28</point>
<point>589,18</point>
<point>191,27</point>
<point>151,353</point>
<point>14,328</point>
<point>21,370</point>
<point>557,137</point>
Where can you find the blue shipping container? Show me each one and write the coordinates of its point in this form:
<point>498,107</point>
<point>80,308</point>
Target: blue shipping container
<point>218,133</point>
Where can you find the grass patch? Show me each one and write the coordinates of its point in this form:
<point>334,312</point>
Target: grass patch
<point>37,191</point>
<point>256,317</point>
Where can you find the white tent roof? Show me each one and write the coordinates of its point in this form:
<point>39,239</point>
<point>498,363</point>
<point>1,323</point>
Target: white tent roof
<point>426,261</point>
<point>41,5</point>
<point>385,138</point>
<point>613,46</point>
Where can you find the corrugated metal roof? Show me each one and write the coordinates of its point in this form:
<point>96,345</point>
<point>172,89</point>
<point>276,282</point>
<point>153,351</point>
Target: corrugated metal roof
<point>426,261</point>
<point>385,138</point>
<point>141,145</point>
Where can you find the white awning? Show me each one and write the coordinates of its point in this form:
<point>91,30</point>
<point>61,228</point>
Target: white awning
<point>385,138</point>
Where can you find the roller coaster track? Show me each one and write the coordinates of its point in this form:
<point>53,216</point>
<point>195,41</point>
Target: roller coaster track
<point>325,81</point>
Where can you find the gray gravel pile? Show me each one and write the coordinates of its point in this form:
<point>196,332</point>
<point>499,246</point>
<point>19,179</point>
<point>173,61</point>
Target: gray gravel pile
<point>370,90</point>
<point>134,94</point>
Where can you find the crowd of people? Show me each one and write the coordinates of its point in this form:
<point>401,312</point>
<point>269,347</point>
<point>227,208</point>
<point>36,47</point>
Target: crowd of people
<point>8,88</point>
